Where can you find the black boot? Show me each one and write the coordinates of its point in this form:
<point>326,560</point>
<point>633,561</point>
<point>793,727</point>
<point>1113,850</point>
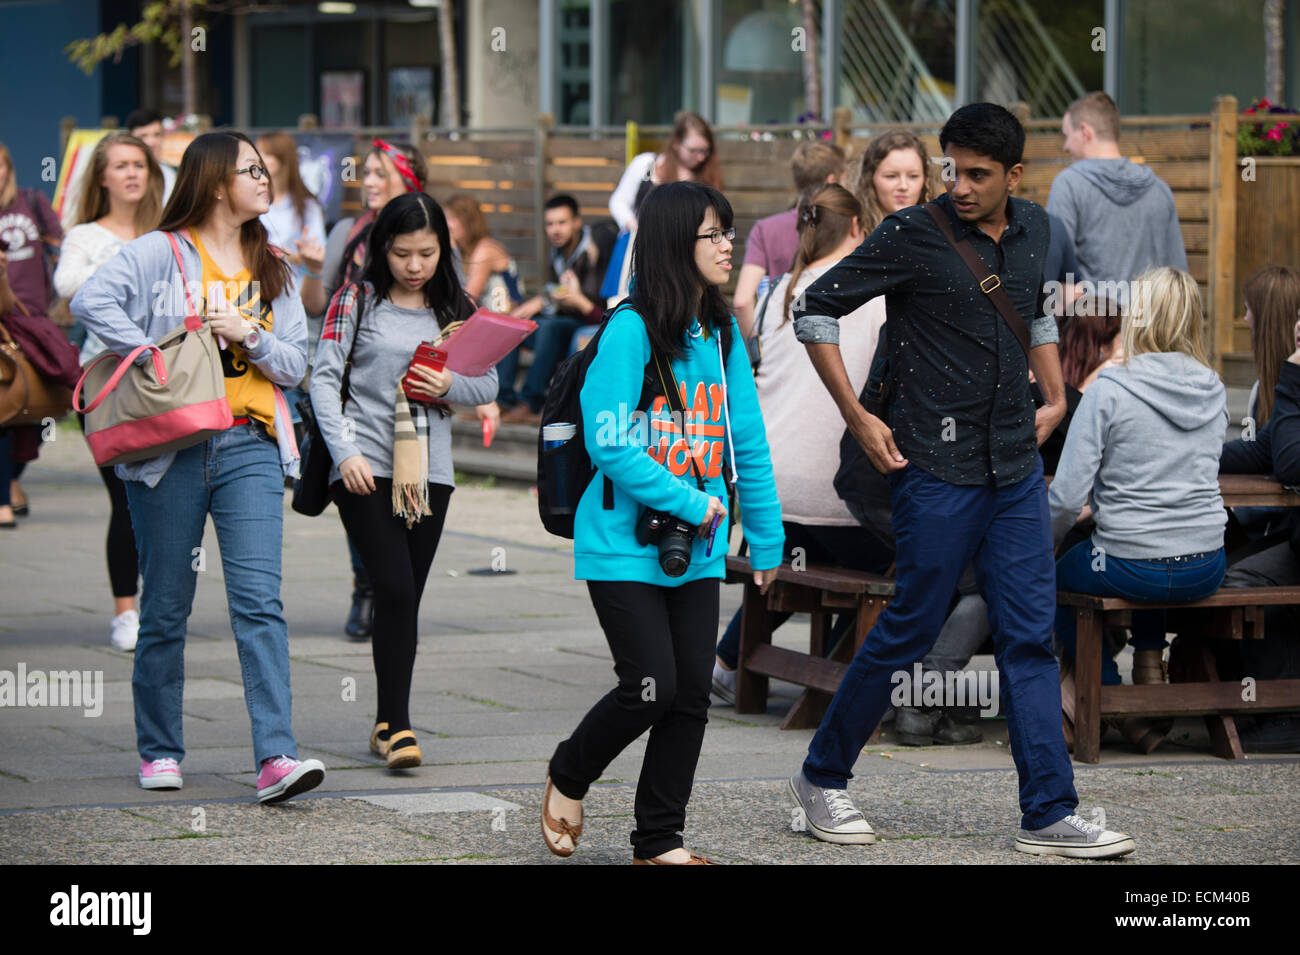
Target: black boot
<point>361,619</point>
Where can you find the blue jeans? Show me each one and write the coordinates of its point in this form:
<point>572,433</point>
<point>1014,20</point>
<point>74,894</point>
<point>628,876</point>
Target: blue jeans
<point>235,476</point>
<point>940,528</point>
<point>1084,569</point>
<point>550,345</point>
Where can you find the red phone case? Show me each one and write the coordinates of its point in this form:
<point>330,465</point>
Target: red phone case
<point>427,356</point>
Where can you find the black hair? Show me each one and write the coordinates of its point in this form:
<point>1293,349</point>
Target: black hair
<point>562,200</point>
<point>410,213</point>
<point>669,289</point>
<point>141,117</point>
<point>987,129</point>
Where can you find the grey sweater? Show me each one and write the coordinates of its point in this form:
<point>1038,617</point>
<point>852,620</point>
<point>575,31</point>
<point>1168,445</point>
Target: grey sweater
<point>1144,447</point>
<point>1122,218</point>
<point>388,338</point>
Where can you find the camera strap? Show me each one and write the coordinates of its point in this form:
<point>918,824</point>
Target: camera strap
<point>669,393</point>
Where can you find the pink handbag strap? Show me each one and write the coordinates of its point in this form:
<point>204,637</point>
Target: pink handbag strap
<point>192,321</point>
<point>159,368</point>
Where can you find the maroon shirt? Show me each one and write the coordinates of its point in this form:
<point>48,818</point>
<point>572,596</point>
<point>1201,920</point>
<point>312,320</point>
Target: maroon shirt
<point>22,228</point>
<point>773,242</point>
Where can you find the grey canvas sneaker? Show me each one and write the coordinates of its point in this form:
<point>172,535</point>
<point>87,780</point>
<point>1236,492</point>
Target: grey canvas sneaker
<point>1076,838</point>
<point>830,814</point>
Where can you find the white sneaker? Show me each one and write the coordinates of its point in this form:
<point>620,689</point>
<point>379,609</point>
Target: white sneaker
<point>126,629</point>
<point>724,683</point>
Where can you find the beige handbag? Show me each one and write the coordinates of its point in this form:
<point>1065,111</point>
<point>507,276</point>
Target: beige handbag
<point>175,400</point>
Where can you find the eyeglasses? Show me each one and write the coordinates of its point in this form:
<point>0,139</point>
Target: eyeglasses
<point>696,151</point>
<point>256,170</point>
<point>717,235</point>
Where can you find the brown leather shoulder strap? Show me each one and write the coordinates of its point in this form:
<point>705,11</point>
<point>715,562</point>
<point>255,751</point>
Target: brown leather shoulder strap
<point>990,284</point>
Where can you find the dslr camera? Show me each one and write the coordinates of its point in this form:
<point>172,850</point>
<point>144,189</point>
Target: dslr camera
<point>673,536</point>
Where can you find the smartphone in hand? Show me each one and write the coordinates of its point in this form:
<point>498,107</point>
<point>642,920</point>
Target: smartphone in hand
<point>426,356</point>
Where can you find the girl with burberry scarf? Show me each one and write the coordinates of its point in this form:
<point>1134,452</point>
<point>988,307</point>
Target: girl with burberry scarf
<point>392,476</point>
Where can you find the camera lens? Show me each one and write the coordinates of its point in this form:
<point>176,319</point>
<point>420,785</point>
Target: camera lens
<point>675,548</point>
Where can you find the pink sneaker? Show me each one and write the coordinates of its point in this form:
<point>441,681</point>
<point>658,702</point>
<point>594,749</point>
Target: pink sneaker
<point>282,777</point>
<point>160,774</point>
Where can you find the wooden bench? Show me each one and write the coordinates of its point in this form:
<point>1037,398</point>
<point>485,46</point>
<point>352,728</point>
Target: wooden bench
<point>817,590</point>
<point>1233,612</point>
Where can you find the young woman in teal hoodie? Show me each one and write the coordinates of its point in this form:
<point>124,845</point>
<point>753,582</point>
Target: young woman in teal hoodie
<point>672,458</point>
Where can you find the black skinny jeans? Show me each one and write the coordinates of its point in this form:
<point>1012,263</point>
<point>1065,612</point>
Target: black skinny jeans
<point>123,559</point>
<point>398,561</point>
<point>662,641</point>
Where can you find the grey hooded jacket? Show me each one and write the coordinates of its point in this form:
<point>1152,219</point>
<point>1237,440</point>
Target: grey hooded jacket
<point>1122,218</point>
<point>1143,448</point>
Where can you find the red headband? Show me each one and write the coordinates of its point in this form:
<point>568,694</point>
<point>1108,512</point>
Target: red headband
<point>402,164</point>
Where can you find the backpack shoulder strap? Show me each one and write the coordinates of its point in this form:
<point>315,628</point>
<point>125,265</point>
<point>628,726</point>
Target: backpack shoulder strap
<point>990,284</point>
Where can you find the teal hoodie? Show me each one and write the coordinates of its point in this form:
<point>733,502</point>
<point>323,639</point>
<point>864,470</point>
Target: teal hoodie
<point>630,449</point>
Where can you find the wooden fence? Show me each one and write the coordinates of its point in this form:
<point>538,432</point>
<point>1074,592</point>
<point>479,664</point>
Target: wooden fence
<point>511,172</point>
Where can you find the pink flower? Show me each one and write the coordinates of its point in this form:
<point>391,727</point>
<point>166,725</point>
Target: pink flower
<point>1274,135</point>
<point>1264,104</point>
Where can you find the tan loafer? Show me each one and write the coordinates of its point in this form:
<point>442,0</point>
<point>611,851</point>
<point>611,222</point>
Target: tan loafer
<point>403,757</point>
<point>553,830</point>
<point>379,746</point>
<point>695,860</point>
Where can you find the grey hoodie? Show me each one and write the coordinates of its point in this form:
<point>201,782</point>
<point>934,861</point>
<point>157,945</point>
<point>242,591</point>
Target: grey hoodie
<point>1143,449</point>
<point>1122,218</point>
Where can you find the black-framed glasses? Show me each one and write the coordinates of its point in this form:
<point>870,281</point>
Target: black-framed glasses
<point>717,235</point>
<point>256,170</point>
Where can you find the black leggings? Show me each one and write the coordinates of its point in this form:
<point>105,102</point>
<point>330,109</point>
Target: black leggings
<point>662,641</point>
<point>123,560</point>
<point>398,562</point>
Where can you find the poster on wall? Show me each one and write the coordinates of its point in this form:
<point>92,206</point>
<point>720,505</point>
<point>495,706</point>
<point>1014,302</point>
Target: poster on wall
<point>410,94</point>
<point>342,95</point>
<point>321,163</point>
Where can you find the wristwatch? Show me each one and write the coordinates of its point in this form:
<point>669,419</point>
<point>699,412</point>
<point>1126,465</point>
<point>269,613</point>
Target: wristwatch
<point>253,338</point>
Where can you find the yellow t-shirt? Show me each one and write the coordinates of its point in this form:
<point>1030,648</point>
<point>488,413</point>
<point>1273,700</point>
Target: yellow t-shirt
<point>249,392</point>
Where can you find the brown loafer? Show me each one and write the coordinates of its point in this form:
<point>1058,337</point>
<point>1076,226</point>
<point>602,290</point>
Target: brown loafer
<point>403,757</point>
<point>695,860</point>
<point>379,746</point>
<point>559,827</point>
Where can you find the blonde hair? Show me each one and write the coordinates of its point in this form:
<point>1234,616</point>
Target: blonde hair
<point>1097,110</point>
<point>863,173</point>
<point>1165,315</point>
<point>10,190</point>
<point>95,204</point>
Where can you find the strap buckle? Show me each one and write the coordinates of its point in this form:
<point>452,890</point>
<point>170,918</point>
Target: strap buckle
<point>997,284</point>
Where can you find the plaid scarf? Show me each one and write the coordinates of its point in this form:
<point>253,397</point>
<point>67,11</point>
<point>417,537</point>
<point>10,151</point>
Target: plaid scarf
<point>410,460</point>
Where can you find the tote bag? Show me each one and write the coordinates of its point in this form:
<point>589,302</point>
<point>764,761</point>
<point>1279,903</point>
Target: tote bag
<point>175,400</point>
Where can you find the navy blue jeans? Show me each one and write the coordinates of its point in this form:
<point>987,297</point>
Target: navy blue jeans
<point>940,528</point>
<point>1085,569</point>
<point>550,345</point>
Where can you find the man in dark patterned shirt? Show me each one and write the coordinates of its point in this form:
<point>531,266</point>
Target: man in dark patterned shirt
<point>965,475</point>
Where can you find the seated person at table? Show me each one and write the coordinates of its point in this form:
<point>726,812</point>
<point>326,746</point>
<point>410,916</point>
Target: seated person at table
<point>802,423</point>
<point>1272,303</point>
<point>570,300</point>
<point>1142,452</point>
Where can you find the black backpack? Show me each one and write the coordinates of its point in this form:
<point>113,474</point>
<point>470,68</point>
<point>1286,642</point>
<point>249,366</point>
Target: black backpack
<point>563,473</point>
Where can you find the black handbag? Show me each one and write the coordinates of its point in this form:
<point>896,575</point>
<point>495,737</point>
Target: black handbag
<point>754,343</point>
<point>311,489</point>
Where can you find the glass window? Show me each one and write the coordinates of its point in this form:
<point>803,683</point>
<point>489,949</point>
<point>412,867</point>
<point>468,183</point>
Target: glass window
<point>1039,52</point>
<point>573,34</point>
<point>760,72</point>
<point>652,60</point>
<point>898,59</point>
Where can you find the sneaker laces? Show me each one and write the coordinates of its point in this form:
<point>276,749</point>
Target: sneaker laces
<point>838,804</point>
<point>283,762</point>
<point>1083,825</point>
<point>164,764</point>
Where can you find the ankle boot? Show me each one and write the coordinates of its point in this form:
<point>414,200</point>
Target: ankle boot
<point>361,618</point>
<point>949,732</point>
<point>914,726</point>
<point>1148,667</point>
<point>1144,734</point>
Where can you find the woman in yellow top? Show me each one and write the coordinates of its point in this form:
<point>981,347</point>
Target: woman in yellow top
<point>249,298</point>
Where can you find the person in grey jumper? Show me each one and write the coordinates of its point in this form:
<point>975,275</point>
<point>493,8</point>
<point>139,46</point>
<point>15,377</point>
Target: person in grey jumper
<point>236,475</point>
<point>1122,217</point>
<point>392,475</point>
<point>1143,453</point>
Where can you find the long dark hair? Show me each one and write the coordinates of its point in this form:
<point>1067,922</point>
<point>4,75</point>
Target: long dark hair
<point>207,167</point>
<point>669,289</point>
<point>412,212</point>
<point>1094,325</point>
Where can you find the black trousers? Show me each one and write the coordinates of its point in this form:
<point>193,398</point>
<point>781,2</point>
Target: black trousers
<point>123,560</point>
<point>662,641</point>
<point>398,561</point>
